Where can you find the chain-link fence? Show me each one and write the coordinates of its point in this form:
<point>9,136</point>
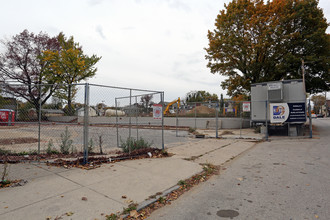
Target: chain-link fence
<point>230,114</point>
<point>76,118</point>
<point>209,116</point>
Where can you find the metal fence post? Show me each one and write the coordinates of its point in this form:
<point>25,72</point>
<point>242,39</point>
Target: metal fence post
<point>177,120</point>
<point>130,119</point>
<point>195,116</point>
<point>117,122</point>
<point>310,119</point>
<point>130,114</point>
<point>136,119</point>
<point>241,124</point>
<point>162,101</point>
<point>86,122</point>
<point>216,120</point>
<point>267,120</point>
<point>39,120</point>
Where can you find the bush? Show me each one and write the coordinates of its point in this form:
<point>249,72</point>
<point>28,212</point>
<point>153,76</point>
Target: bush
<point>131,144</point>
<point>66,142</point>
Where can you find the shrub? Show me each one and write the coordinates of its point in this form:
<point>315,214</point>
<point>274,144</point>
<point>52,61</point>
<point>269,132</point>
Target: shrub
<point>66,142</point>
<point>131,144</point>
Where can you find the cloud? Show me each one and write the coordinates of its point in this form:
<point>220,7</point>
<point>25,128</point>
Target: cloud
<point>99,30</point>
<point>178,5</point>
<point>128,28</point>
<point>94,2</point>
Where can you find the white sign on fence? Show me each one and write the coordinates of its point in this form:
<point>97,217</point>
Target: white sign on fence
<point>246,107</point>
<point>157,111</point>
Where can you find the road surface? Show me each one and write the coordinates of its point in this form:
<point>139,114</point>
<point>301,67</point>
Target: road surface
<point>280,179</point>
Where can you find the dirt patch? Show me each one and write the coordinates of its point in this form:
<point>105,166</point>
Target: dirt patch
<point>11,141</point>
<point>202,110</point>
<point>227,132</point>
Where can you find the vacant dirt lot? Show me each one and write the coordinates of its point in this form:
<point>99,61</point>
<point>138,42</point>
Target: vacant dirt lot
<point>20,138</point>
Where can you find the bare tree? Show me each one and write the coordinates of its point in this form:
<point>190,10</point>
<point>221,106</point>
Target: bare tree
<point>23,64</point>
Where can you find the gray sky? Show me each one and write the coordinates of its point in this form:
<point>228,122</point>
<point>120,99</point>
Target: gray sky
<point>146,44</point>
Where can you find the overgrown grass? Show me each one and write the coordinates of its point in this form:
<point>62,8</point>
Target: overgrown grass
<point>131,144</point>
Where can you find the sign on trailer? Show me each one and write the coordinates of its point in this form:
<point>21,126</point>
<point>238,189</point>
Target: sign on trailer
<point>287,112</point>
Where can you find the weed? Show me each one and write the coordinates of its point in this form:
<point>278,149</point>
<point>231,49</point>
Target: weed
<point>66,142</point>
<point>50,148</point>
<point>112,216</point>
<point>182,183</point>
<point>209,169</point>
<point>161,200</point>
<point>191,130</point>
<point>31,152</point>
<point>131,144</point>
<point>4,174</point>
<point>5,152</point>
<point>130,207</point>
<point>90,146</point>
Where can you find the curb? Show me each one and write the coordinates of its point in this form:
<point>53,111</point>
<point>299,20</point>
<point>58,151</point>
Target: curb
<point>148,202</point>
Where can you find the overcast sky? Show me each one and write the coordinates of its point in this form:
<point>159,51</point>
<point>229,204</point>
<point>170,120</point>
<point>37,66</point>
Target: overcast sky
<point>146,44</point>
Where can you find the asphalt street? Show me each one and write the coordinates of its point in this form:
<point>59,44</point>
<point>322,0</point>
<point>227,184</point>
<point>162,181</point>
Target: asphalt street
<point>280,179</point>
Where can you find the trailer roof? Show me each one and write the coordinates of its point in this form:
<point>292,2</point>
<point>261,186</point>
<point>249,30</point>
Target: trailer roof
<point>282,81</point>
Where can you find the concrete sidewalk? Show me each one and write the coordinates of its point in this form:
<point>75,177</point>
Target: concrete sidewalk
<point>54,191</point>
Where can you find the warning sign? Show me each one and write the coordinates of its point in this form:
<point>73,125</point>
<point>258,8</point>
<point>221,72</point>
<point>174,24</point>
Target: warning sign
<point>157,111</point>
<point>246,107</point>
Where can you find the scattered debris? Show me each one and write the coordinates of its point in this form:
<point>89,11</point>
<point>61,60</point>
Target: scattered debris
<point>12,183</point>
<point>96,161</point>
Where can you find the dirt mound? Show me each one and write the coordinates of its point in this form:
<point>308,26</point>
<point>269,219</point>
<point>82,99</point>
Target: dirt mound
<point>204,110</point>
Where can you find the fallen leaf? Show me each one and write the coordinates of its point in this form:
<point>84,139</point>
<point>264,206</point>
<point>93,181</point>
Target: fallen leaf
<point>84,198</point>
<point>134,214</point>
<point>316,216</point>
<point>129,201</point>
<point>48,218</point>
<point>69,213</point>
<point>124,197</point>
<point>6,207</point>
<point>240,179</point>
<point>307,184</point>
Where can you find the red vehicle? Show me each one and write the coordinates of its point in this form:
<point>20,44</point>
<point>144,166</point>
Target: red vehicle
<point>7,117</point>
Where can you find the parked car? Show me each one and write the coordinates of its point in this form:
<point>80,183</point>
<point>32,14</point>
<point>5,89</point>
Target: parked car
<point>314,116</point>
<point>320,115</point>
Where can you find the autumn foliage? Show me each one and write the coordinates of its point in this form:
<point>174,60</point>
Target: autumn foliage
<point>256,42</point>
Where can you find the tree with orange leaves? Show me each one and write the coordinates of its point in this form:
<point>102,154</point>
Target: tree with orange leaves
<point>257,42</point>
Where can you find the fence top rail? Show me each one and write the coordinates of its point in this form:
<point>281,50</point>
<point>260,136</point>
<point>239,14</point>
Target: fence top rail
<point>13,83</point>
<point>125,97</point>
<point>125,88</point>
